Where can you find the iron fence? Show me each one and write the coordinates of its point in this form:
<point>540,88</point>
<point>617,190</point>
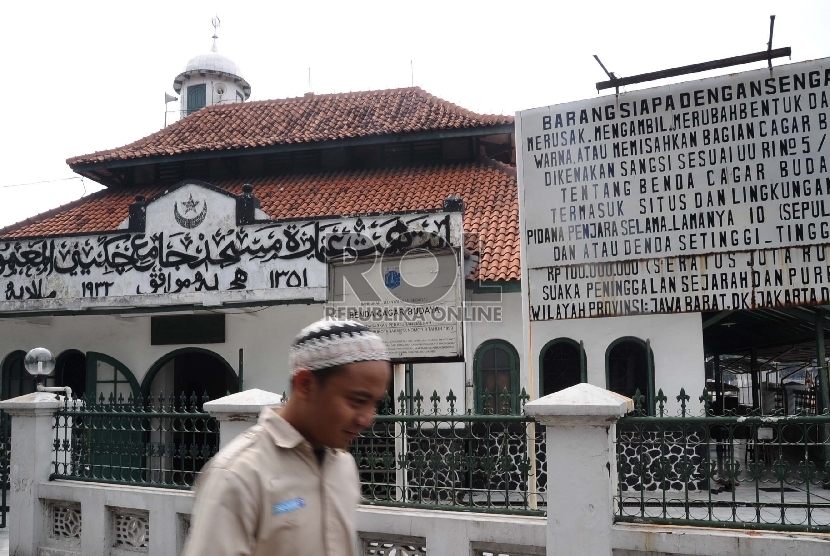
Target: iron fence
<point>427,455</point>
<point>748,471</point>
<point>5,461</point>
<point>158,441</point>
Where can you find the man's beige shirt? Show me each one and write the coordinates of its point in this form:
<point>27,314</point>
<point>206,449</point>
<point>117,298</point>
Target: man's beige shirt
<point>266,493</point>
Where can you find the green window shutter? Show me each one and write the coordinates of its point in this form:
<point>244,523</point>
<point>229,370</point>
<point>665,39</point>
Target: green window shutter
<point>196,98</point>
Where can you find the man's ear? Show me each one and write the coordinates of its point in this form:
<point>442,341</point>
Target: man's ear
<point>303,383</point>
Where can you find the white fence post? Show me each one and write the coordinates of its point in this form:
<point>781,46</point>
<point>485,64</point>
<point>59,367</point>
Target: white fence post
<point>31,463</point>
<point>582,467</point>
<point>237,412</point>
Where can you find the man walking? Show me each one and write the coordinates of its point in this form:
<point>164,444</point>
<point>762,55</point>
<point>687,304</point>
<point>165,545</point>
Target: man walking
<point>287,485</point>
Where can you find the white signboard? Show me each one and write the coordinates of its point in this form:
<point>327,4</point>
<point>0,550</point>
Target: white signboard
<point>734,165</point>
<point>193,250</point>
<point>414,302</point>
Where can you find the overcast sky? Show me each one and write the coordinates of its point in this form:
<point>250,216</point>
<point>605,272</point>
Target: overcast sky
<point>84,76</point>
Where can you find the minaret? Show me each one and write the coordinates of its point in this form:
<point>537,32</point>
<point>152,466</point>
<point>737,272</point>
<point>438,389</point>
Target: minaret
<point>210,79</point>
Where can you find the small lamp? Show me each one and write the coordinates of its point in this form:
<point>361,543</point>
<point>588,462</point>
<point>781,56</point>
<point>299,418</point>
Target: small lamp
<point>40,364</point>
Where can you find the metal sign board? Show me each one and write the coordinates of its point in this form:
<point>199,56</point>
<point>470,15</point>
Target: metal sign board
<point>734,165</point>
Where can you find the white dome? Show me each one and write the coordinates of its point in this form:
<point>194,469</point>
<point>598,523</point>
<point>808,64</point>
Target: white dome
<point>215,64</point>
<point>213,61</point>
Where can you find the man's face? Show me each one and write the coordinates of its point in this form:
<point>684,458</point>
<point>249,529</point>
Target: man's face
<point>345,403</point>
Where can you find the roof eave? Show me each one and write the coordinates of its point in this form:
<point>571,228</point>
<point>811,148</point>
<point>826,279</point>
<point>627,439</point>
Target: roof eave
<point>89,169</point>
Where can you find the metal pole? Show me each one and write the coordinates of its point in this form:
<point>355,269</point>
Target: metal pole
<point>399,382</point>
<point>823,378</point>
<point>532,487</point>
<point>241,371</point>
<point>753,366</point>
<point>821,361</point>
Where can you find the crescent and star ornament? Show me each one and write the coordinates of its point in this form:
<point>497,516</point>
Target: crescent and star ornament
<point>190,206</point>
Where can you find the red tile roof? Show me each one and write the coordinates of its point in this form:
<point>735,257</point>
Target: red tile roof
<point>305,119</point>
<point>489,191</point>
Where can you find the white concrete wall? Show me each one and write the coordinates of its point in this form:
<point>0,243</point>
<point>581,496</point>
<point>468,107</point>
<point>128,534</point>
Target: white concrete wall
<point>265,336</point>
<point>649,540</point>
<point>452,533</point>
<point>446,533</point>
<point>676,340</point>
<point>440,377</point>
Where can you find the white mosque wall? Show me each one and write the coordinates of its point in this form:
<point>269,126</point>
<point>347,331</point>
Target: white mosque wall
<point>676,341</point>
<point>265,336</point>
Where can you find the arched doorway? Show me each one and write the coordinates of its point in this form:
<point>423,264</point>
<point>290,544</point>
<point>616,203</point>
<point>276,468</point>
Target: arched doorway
<point>16,379</point>
<point>182,374</point>
<point>629,366</point>
<point>70,370</point>
<point>496,367</point>
<point>561,365</point>
<point>190,371</point>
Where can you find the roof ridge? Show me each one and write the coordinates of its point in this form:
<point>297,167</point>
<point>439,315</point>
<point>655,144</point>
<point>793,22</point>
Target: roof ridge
<point>451,105</point>
<point>311,95</point>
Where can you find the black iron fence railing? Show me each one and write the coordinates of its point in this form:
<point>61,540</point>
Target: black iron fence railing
<point>422,453</point>
<point>433,457</point>
<point>158,441</point>
<point>5,460</point>
<point>750,471</point>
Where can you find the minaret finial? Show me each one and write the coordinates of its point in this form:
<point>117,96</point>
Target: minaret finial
<point>215,21</point>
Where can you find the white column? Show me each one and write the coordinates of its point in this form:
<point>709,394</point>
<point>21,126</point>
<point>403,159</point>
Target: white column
<point>32,422</point>
<point>580,424</point>
<point>238,412</point>
<point>399,381</point>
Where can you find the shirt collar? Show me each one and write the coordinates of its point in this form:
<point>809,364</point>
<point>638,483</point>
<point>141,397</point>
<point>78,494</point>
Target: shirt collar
<point>283,434</point>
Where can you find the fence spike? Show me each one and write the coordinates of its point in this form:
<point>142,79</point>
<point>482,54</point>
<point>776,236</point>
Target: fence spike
<point>451,400</point>
<point>683,398</point>
<point>435,398</point>
<point>661,400</point>
<point>505,400</point>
